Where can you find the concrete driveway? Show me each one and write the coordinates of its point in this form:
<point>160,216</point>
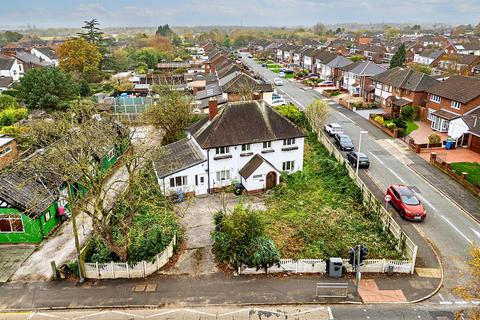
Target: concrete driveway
<point>196,217</point>
<point>11,258</point>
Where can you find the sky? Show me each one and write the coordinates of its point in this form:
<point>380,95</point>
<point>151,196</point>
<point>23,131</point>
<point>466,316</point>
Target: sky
<point>115,13</point>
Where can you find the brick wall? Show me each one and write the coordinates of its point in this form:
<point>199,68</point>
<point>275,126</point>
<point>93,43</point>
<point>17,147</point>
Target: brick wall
<point>8,158</point>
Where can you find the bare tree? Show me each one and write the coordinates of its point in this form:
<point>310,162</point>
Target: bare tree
<point>317,114</point>
<point>319,29</point>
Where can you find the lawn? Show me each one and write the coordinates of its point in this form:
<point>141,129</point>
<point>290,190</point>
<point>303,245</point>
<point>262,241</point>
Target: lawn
<point>289,76</point>
<point>318,212</point>
<point>472,168</point>
<point>411,126</point>
<point>274,70</point>
<point>273,66</point>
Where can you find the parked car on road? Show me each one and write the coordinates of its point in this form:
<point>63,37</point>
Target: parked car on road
<point>333,129</point>
<point>278,82</point>
<point>406,202</point>
<point>281,74</point>
<point>362,158</point>
<point>343,142</point>
<point>250,56</point>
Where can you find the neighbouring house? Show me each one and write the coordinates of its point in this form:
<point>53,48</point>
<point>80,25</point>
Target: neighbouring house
<point>10,68</point>
<point>238,85</point>
<point>309,57</point>
<point>8,150</point>
<point>399,87</point>
<point>467,128</point>
<point>321,59</point>
<point>356,78</point>
<point>298,56</point>
<point>427,56</point>
<point>5,83</point>
<point>328,69</point>
<point>466,48</point>
<point>245,142</point>
<point>46,54</point>
<point>30,61</point>
<point>33,203</point>
<point>456,64</point>
<point>450,99</point>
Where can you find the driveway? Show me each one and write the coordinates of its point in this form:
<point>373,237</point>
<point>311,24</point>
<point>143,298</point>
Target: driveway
<point>196,217</point>
<point>12,257</point>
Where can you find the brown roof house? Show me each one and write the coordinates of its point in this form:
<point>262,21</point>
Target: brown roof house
<point>8,150</point>
<point>451,99</point>
<point>244,142</point>
<point>398,87</point>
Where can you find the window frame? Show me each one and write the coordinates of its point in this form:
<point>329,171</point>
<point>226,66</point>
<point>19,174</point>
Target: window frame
<point>5,151</point>
<point>435,98</point>
<point>174,182</point>
<point>222,175</point>
<point>289,142</point>
<point>288,166</point>
<point>111,154</point>
<point>222,150</point>
<point>10,218</point>
<point>267,145</point>
<point>246,147</point>
<point>454,103</point>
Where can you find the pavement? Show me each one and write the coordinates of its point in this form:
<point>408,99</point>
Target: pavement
<point>12,257</point>
<point>448,227</point>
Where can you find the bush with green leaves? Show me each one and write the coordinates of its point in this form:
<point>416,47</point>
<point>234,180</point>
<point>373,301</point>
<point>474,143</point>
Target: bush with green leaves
<point>240,239</point>
<point>434,139</point>
<point>379,119</point>
<point>390,125</point>
<point>293,114</point>
<point>10,116</point>
<point>8,102</point>
<point>400,123</point>
<point>409,113</point>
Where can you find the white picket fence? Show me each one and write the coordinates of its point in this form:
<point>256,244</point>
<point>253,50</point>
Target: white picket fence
<point>320,266</point>
<point>115,270</point>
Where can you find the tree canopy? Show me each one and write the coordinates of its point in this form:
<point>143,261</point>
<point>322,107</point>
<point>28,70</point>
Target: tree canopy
<point>47,88</point>
<point>93,34</point>
<point>399,58</point>
<point>80,56</point>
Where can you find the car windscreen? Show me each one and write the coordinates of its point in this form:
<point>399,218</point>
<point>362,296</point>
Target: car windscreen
<point>345,139</point>
<point>410,199</point>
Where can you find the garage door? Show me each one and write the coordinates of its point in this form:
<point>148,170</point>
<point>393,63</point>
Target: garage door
<point>475,145</point>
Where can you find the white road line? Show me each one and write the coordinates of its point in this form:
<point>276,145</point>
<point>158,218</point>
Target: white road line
<point>378,159</point>
<point>441,297</point>
<point>461,302</point>
<point>396,175</point>
<point>346,117</point>
<point>446,302</point>
<point>456,229</point>
<point>423,199</point>
<point>330,314</point>
<point>476,232</point>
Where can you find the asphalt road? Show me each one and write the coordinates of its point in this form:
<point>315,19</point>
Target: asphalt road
<point>447,226</point>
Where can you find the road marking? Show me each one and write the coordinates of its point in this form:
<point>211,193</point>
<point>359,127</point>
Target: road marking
<point>345,117</point>
<point>377,158</point>
<point>446,302</point>
<point>461,302</point>
<point>330,314</point>
<point>396,175</point>
<point>423,199</point>
<point>456,229</point>
<point>440,295</point>
<point>476,232</point>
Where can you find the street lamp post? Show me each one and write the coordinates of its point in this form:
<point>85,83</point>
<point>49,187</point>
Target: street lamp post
<point>359,149</point>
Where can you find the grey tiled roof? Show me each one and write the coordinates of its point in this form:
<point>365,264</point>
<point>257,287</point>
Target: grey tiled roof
<point>177,156</point>
<point>458,88</point>
<point>407,79</point>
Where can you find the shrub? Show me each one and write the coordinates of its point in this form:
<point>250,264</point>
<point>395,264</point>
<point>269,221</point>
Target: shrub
<point>10,116</point>
<point>390,125</point>
<point>401,132</point>
<point>400,123</point>
<point>379,119</point>
<point>434,139</point>
<point>406,112</point>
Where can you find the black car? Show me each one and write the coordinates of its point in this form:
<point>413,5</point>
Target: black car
<point>344,142</point>
<point>363,161</point>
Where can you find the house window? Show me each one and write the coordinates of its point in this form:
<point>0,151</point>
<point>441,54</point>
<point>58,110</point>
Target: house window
<point>178,181</point>
<point>5,150</point>
<point>201,179</point>
<point>288,165</point>
<point>289,141</point>
<point>456,105</point>
<point>267,145</point>
<point>111,154</point>
<point>246,147</point>
<point>435,98</point>
<point>257,176</point>
<point>223,175</point>
<point>222,150</point>
<point>429,115</point>
<point>11,223</point>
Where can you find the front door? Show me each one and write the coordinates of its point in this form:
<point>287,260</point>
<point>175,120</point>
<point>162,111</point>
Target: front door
<point>271,180</point>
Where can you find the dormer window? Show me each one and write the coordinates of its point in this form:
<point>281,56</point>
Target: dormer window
<point>456,105</point>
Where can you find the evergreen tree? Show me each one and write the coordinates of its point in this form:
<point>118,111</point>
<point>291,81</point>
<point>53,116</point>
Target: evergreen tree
<point>93,33</point>
<point>399,58</point>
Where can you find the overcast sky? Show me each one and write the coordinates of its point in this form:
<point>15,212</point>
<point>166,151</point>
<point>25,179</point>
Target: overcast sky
<point>65,13</point>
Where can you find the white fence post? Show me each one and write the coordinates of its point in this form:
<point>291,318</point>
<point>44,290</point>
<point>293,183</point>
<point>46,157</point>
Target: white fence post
<point>144,268</point>
<point>98,270</point>
<point>414,257</point>
<point>128,270</point>
<point>113,269</point>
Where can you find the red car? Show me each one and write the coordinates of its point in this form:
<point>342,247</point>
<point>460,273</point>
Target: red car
<point>407,204</point>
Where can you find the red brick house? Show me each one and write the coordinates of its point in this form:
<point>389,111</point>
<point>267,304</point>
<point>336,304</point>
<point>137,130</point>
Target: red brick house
<point>450,99</point>
<point>8,150</point>
<point>399,87</point>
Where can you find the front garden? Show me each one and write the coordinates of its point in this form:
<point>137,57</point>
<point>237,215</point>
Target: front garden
<point>471,168</point>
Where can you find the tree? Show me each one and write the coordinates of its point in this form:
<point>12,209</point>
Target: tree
<point>10,36</point>
<point>319,29</point>
<point>226,42</point>
<point>172,114</point>
<point>240,239</point>
<point>47,88</point>
<point>84,88</point>
<point>317,114</point>
<point>165,31</point>
<point>80,56</point>
<point>93,33</point>
<point>392,33</point>
<point>399,58</point>
<point>421,68</point>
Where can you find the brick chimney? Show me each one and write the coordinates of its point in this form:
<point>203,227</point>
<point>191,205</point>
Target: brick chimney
<point>212,108</point>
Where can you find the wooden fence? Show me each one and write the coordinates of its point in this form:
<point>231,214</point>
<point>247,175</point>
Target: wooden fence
<point>115,270</point>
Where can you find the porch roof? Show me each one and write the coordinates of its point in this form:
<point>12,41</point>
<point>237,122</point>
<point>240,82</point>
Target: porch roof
<point>401,102</point>
<point>444,114</point>
<point>249,168</point>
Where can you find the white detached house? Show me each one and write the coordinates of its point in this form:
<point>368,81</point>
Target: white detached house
<point>45,54</point>
<point>245,142</point>
<point>10,68</point>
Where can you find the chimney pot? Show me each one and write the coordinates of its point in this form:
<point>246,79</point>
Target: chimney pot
<point>212,108</point>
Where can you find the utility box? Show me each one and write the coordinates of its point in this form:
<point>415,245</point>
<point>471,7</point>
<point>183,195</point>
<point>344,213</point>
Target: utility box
<point>335,267</point>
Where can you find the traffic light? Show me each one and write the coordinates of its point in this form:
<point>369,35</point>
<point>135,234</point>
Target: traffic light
<point>351,256</point>
<point>363,252</point>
